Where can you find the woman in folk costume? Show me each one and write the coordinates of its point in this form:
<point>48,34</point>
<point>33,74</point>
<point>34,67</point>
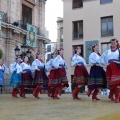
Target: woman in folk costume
<point>15,78</point>
<point>3,69</point>
<point>97,77</point>
<point>53,78</point>
<point>26,78</point>
<point>112,59</point>
<point>80,73</point>
<point>40,77</point>
<point>60,64</point>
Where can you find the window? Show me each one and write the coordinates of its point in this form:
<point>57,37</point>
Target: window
<point>77,29</point>
<point>49,48</point>
<point>105,46</point>
<point>105,1</point>
<point>26,16</point>
<point>107,26</point>
<point>75,46</point>
<point>77,4</point>
<point>61,34</point>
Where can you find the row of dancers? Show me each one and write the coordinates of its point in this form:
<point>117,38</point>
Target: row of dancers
<point>25,76</point>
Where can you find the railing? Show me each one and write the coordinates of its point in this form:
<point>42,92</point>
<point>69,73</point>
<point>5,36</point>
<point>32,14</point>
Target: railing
<point>32,1</point>
<point>22,24</point>
<point>77,35</point>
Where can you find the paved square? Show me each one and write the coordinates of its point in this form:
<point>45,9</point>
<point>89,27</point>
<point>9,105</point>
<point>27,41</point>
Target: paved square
<point>63,109</point>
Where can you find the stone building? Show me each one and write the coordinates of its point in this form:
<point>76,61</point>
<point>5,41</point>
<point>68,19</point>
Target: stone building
<point>15,15</point>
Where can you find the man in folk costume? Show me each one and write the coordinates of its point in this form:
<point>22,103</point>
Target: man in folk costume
<point>97,77</point>
<point>26,78</point>
<point>60,65</point>
<point>80,73</point>
<point>53,83</point>
<point>40,77</point>
<point>111,58</point>
<point>15,78</point>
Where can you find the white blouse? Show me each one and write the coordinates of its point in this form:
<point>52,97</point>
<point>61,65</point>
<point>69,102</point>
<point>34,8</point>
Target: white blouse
<point>4,69</point>
<point>15,67</point>
<point>108,55</point>
<point>94,58</point>
<point>58,61</point>
<point>49,65</point>
<point>76,59</point>
<point>36,63</point>
<point>25,66</point>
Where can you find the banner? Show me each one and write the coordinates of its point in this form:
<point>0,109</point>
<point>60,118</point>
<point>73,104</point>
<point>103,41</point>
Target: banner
<point>0,20</point>
<point>31,35</point>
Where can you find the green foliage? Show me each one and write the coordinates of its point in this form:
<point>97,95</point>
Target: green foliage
<point>1,54</point>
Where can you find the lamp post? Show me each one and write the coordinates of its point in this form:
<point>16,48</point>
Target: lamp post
<point>23,50</point>
<point>23,47</point>
<point>28,53</point>
<point>17,50</point>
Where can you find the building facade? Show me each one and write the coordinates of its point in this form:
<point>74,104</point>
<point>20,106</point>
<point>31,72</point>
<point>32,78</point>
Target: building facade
<point>59,32</point>
<point>50,48</point>
<point>15,15</point>
<point>87,22</point>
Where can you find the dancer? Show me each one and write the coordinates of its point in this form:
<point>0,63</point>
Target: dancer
<point>40,77</point>
<point>15,78</point>
<point>80,73</point>
<point>53,78</point>
<point>26,78</point>
<point>3,69</point>
<point>60,64</point>
<point>112,59</point>
<point>97,77</point>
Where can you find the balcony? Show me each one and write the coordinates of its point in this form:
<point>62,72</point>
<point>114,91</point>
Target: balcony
<point>23,25</point>
<point>32,1</point>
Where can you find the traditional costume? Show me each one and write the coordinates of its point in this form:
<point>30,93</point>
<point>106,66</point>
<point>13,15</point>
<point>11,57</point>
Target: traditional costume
<point>26,79</point>
<point>80,74</point>
<point>112,72</point>
<point>40,77</point>
<point>3,69</point>
<point>97,77</point>
<point>53,83</point>
<point>15,78</point>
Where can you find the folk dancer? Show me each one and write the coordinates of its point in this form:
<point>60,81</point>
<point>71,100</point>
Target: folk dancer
<point>15,78</point>
<point>40,77</point>
<point>26,78</point>
<point>111,58</point>
<point>80,72</point>
<point>3,69</point>
<point>60,64</point>
<point>97,77</point>
<point>53,78</point>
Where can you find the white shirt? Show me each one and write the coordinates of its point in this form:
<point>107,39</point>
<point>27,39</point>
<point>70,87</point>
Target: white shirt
<point>76,59</point>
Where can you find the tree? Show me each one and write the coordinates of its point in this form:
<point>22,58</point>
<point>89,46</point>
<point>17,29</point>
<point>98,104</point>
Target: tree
<point>1,54</point>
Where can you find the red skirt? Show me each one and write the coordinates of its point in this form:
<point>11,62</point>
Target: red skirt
<point>40,78</point>
<point>113,74</point>
<point>61,75</point>
<point>80,76</point>
<point>26,80</point>
<point>53,79</point>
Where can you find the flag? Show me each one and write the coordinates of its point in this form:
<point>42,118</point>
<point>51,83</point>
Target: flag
<point>31,35</point>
